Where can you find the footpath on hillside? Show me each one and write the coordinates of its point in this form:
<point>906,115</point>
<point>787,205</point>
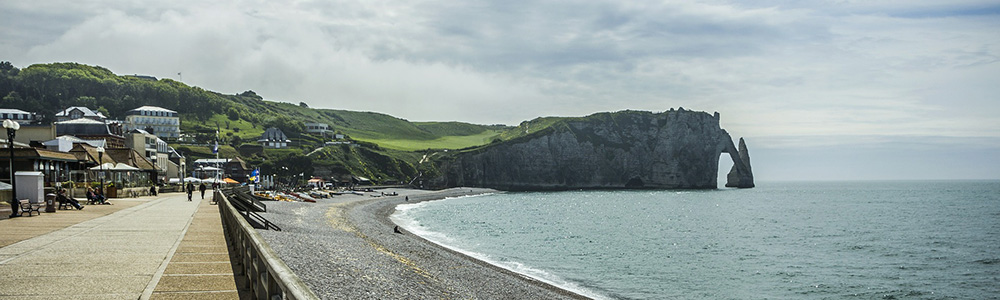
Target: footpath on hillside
<point>140,248</point>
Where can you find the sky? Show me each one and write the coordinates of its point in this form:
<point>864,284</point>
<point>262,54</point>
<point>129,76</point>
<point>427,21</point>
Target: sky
<point>822,90</point>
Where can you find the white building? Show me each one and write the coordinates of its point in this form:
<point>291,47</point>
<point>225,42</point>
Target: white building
<point>317,128</point>
<point>76,112</point>
<point>16,115</point>
<point>152,147</point>
<point>162,122</point>
<point>65,143</point>
<point>274,138</point>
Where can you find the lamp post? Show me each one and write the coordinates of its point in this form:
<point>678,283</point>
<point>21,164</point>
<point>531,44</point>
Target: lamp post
<point>100,158</point>
<point>12,128</point>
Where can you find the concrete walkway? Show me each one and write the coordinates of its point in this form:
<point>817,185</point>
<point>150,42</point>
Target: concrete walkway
<point>200,267</point>
<point>121,255</point>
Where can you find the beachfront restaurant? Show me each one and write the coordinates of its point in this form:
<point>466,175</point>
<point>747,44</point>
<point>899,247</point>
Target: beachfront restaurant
<point>54,165</point>
<point>204,172</point>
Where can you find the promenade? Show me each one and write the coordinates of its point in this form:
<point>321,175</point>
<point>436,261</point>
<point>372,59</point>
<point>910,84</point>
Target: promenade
<point>140,248</point>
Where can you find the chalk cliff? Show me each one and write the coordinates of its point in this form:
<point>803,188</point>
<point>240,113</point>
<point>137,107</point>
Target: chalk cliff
<point>629,149</point>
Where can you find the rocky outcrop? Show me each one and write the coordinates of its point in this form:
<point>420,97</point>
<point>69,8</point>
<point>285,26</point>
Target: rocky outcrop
<point>676,149</point>
<point>740,176</point>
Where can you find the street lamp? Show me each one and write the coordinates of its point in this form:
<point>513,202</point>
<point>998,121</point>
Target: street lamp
<point>12,128</point>
<point>100,158</point>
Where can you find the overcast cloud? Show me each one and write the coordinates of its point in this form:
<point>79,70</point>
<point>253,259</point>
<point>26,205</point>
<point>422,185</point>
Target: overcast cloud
<point>793,75</point>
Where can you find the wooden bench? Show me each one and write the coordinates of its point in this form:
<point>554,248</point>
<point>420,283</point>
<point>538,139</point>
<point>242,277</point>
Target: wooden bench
<point>28,207</point>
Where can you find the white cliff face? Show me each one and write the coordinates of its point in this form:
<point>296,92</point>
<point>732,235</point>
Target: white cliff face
<point>675,149</point>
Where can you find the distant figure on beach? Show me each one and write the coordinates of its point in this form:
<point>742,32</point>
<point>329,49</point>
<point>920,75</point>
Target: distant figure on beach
<point>407,199</point>
<point>190,190</point>
<point>66,199</point>
<point>202,188</point>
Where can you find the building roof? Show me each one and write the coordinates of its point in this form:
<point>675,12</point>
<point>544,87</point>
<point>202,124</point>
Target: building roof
<point>82,127</point>
<point>13,111</point>
<point>130,157</point>
<point>81,121</point>
<point>88,153</point>
<point>273,134</point>
<point>211,161</point>
<point>34,153</point>
<point>74,140</point>
<point>151,108</point>
<point>87,112</point>
<point>240,162</point>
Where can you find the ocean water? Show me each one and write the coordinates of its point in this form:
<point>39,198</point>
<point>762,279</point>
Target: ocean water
<point>797,240</point>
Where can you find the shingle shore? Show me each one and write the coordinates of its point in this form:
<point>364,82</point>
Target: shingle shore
<point>345,248</point>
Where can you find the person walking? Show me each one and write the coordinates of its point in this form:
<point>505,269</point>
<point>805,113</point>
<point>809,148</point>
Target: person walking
<point>190,190</point>
<point>202,188</point>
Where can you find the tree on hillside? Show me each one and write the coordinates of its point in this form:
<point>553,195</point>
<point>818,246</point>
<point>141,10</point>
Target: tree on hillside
<point>291,127</point>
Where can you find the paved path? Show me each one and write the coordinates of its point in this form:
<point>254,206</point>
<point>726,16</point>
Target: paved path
<point>121,255</point>
<point>200,268</point>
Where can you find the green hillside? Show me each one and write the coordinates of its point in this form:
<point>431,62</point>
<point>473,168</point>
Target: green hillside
<point>383,141</point>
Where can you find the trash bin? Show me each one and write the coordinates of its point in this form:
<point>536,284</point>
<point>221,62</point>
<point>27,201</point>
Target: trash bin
<point>50,203</point>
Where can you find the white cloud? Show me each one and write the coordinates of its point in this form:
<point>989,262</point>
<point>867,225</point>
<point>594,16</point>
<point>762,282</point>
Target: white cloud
<point>771,67</point>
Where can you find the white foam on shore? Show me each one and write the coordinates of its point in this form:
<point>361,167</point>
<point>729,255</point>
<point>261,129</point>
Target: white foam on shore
<point>403,218</point>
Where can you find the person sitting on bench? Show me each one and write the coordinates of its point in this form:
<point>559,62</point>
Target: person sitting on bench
<point>91,196</point>
<point>66,199</point>
<point>99,197</point>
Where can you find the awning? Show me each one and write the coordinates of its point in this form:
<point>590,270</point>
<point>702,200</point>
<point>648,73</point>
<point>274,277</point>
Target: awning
<point>105,166</point>
<point>124,167</point>
<point>212,180</point>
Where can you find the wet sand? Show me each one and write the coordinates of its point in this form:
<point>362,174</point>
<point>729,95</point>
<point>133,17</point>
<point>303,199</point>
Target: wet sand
<point>345,247</point>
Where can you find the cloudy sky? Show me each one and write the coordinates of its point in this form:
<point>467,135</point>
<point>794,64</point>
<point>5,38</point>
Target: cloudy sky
<point>837,89</point>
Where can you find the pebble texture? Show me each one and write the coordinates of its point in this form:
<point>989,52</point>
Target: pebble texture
<point>346,248</point>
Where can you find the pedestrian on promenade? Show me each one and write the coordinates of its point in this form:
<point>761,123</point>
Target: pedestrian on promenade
<point>202,188</point>
<point>152,190</point>
<point>190,190</point>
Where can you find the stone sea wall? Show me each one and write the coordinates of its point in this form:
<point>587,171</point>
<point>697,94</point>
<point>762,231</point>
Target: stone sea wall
<point>677,149</point>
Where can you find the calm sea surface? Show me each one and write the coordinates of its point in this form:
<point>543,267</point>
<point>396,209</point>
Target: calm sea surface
<point>914,240</point>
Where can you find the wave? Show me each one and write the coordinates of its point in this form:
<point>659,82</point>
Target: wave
<point>404,218</point>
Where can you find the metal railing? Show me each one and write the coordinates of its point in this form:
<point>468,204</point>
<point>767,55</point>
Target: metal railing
<point>249,206</point>
<point>267,277</point>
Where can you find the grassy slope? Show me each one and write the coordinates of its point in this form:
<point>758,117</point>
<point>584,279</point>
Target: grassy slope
<point>445,142</point>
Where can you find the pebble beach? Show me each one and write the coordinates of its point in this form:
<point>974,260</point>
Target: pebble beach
<point>345,247</point>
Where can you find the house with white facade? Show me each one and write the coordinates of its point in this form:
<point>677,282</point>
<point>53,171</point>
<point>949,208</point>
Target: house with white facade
<point>274,138</point>
<point>162,122</point>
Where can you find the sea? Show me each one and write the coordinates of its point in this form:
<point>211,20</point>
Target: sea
<point>780,240</point>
